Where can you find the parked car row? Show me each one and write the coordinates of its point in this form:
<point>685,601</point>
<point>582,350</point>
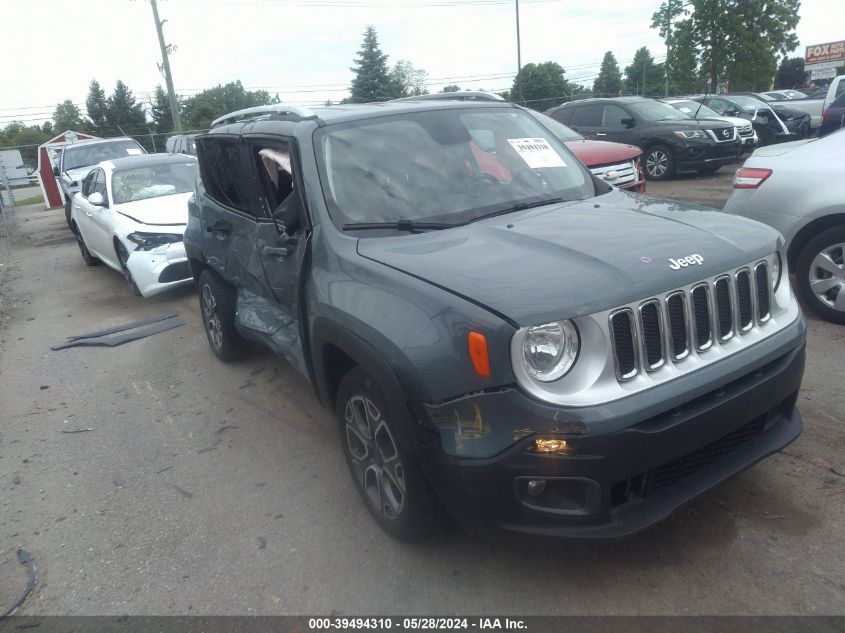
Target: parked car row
<point>672,140</point>
<point>814,105</point>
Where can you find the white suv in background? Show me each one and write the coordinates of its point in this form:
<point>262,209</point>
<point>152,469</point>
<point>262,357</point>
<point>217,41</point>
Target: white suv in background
<point>78,159</point>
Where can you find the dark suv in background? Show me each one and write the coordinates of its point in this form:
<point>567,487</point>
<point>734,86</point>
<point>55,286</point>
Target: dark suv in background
<point>505,337</point>
<point>671,140</point>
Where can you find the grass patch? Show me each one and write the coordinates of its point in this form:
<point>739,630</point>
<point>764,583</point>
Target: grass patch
<point>32,200</point>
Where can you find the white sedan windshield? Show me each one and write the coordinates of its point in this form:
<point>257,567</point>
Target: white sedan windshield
<point>154,181</point>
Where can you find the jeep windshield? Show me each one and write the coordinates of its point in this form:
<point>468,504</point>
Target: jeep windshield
<point>443,167</point>
<point>76,156</point>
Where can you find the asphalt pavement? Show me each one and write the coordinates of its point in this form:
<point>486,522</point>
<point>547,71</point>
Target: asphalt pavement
<point>153,479</point>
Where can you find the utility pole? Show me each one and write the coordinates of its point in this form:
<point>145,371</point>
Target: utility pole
<point>668,51</point>
<point>165,68</point>
<point>518,57</point>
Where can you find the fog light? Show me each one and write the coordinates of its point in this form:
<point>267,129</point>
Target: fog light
<point>549,446</point>
<point>536,487</point>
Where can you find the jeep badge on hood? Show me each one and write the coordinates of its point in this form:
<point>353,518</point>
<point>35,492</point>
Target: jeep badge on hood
<point>683,262</point>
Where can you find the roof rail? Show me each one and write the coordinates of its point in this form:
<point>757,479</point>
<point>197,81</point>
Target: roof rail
<point>458,95</point>
<point>265,110</point>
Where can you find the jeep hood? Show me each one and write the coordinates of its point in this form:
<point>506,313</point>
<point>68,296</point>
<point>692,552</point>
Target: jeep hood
<point>162,211</point>
<point>575,258</point>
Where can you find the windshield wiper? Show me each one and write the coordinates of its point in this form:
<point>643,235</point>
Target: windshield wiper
<point>519,206</point>
<point>400,225</point>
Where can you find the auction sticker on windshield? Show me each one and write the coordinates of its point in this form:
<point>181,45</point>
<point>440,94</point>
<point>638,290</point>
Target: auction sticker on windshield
<point>536,152</point>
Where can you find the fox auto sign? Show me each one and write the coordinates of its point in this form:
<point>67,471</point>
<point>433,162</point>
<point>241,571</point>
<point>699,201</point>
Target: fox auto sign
<point>830,52</point>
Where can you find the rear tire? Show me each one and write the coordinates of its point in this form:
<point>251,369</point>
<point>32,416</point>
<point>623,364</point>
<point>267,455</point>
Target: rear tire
<point>659,163</point>
<point>386,474</point>
<point>67,215</point>
<point>820,274</point>
<point>217,307</point>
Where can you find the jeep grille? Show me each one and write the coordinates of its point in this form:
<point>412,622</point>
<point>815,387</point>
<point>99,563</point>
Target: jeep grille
<point>689,319</point>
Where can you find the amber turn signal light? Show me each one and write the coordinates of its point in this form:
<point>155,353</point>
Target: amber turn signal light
<point>478,353</point>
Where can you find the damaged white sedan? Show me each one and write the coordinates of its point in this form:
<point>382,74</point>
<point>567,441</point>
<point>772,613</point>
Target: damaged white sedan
<point>130,213</point>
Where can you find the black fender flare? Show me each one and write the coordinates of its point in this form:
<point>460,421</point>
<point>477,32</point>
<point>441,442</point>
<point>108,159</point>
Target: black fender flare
<point>325,333</point>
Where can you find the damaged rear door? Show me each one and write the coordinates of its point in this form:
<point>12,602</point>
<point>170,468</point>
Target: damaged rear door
<point>230,212</point>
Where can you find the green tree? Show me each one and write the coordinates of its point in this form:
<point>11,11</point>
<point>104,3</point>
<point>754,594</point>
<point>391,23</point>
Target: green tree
<point>160,111</point>
<point>791,73</point>
<point>67,116</point>
<point>540,86</point>
<point>201,109</point>
<point>451,88</point>
<point>124,114</point>
<point>739,40</point>
<point>406,80</point>
<point>47,128</point>
<point>372,80</point>
<point>609,81</point>
<point>643,76</point>
<point>26,138</point>
<point>664,20</point>
<point>683,60</point>
<point>97,106</point>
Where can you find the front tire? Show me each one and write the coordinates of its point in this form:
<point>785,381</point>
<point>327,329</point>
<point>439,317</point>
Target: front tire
<point>87,257</point>
<point>217,306</point>
<point>659,163</point>
<point>67,215</point>
<point>123,258</point>
<point>820,274</point>
<point>386,475</point>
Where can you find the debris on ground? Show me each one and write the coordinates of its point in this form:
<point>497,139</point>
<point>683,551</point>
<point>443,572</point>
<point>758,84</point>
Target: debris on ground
<point>25,559</point>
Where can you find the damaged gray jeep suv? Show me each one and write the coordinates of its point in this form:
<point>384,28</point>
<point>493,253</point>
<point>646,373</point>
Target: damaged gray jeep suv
<point>500,334</point>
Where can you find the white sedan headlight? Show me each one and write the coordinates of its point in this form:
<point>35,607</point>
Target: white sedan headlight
<point>549,351</point>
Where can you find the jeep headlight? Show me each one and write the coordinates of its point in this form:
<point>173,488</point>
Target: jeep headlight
<point>689,134</point>
<point>549,351</point>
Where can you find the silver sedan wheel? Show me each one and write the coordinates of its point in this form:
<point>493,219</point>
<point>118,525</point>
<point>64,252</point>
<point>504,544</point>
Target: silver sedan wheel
<point>827,276</point>
<point>212,321</point>
<point>656,163</point>
<point>375,457</point>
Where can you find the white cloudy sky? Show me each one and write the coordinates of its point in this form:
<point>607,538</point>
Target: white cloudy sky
<point>302,49</point>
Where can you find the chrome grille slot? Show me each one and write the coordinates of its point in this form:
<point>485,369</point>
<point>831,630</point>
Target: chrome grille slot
<point>700,299</point>
<point>761,276</point>
<point>745,302</point>
<point>724,308</point>
<point>678,320</point>
<point>625,345</point>
<point>651,329</point>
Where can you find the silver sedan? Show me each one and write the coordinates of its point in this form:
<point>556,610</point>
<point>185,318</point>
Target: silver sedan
<point>799,189</point>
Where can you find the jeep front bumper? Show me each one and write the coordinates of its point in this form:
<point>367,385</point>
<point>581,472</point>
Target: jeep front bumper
<point>614,484</point>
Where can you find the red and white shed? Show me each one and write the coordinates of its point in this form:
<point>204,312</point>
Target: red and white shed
<point>49,154</point>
